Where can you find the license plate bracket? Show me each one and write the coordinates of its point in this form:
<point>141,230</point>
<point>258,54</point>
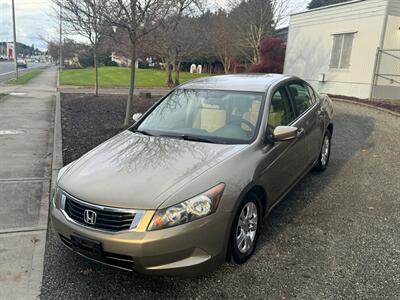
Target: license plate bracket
<point>87,247</point>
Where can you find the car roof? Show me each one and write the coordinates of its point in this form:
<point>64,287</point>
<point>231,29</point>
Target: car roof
<point>236,82</point>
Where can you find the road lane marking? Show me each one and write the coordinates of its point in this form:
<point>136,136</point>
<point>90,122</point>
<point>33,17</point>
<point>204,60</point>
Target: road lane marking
<point>17,94</point>
<point>31,179</point>
<point>7,73</point>
<point>11,132</point>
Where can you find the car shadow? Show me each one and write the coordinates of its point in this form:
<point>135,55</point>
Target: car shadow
<point>351,135</point>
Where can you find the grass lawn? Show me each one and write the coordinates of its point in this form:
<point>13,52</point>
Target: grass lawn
<point>22,79</point>
<point>119,77</point>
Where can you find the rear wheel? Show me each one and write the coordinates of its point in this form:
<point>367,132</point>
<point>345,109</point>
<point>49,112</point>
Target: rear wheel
<point>246,229</point>
<point>325,153</point>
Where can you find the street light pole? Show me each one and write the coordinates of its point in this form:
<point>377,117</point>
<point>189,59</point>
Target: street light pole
<point>15,40</point>
<point>61,52</point>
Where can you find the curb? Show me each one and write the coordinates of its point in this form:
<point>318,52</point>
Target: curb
<point>58,81</point>
<point>57,159</point>
<point>393,113</point>
<point>56,165</point>
<point>57,162</point>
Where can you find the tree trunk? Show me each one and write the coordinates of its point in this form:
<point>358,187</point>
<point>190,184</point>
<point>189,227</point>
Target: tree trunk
<point>129,103</point>
<point>96,71</point>
<point>168,80</point>
<point>177,73</point>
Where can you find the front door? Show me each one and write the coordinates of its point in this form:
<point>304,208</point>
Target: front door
<point>283,160</point>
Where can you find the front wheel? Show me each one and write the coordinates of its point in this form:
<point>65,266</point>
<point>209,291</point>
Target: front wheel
<point>246,229</point>
<point>325,153</point>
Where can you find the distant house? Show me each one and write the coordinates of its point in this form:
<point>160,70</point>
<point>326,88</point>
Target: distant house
<point>121,60</point>
<point>350,49</point>
<point>282,33</point>
<point>73,62</point>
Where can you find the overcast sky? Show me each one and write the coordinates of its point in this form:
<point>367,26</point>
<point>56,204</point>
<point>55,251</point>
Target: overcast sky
<point>34,19</point>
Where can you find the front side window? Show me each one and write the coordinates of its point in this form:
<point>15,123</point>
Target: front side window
<point>311,93</point>
<point>341,50</point>
<point>301,98</point>
<point>280,110</point>
<point>218,116</point>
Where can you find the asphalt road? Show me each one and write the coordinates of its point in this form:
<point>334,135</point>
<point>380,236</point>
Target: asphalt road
<point>335,236</point>
<point>7,69</point>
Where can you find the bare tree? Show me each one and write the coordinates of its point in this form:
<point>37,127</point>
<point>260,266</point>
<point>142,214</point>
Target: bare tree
<point>85,17</point>
<point>176,37</point>
<point>282,10</point>
<point>70,48</point>
<point>224,39</point>
<point>138,18</point>
<point>255,20</point>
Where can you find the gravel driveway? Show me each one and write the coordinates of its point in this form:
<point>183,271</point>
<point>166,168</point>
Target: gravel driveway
<point>336,235</point>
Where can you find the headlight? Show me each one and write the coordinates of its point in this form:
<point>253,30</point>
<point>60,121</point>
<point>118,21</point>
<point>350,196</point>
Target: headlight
<point>57,197</point>
<point>195,208</point>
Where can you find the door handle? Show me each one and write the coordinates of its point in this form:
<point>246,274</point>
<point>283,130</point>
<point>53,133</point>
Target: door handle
<point>300,132</point>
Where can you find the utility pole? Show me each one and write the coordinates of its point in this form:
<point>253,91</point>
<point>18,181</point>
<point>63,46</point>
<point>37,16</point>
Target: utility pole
<point>61,52</point>
<point>15,40</point>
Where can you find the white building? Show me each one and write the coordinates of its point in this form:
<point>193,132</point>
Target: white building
<point>350,49</point>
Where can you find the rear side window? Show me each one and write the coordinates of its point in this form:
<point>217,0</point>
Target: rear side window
<point>301,97</point>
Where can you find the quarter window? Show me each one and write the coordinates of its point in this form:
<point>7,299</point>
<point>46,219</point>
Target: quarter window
<point>341,50</point>
<point>280,110</point>
<point>301,98</point>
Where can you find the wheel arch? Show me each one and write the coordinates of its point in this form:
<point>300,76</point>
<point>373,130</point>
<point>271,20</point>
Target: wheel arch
<point>260,192</point>
<point>330,128</point>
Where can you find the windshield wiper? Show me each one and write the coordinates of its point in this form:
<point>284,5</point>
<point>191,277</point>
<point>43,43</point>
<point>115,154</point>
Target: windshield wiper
<point>144,132</point>
<point>187,137</point>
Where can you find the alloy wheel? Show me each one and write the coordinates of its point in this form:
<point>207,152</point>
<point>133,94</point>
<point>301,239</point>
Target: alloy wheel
<point>247,227</point>
<point>325,151</point>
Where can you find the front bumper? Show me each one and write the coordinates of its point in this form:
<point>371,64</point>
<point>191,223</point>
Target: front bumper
<point>189,249</point>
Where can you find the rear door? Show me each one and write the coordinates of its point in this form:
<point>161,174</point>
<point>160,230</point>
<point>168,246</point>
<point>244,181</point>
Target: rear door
<point>318,130</point>
<point>307,117</point>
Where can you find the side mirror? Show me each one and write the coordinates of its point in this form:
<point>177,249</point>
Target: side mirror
<point>136,117</point>
<point>285,133</point>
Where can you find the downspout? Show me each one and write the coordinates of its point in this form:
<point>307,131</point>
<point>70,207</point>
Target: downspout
<point>380,48</point>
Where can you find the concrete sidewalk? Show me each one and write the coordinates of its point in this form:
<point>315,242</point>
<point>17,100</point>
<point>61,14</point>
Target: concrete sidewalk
<point>26,148</point>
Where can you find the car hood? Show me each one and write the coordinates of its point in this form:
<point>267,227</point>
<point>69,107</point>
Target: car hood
<point>138,171</point>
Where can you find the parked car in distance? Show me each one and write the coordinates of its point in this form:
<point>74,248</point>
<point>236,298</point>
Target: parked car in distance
<point>188,185</point>
<point>22,63</point>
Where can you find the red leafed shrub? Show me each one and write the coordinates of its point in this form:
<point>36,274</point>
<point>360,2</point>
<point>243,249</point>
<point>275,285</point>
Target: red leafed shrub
<point>272,54</point>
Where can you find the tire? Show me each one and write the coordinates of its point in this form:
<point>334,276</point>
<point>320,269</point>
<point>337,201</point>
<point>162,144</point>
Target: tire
<point>249,226</point>
<point>325,154</point>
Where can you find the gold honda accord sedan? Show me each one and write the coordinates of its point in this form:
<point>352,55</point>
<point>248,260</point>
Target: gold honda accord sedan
<point>187,187</point>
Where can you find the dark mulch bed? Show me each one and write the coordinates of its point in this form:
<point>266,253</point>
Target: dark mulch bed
<point>393,105</point>
<point>87,121</point>
<point>384,104</point>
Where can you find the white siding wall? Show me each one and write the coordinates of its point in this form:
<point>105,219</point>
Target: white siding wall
<point>310,45</point>
<point>389,64</point>
<point>394,7</point>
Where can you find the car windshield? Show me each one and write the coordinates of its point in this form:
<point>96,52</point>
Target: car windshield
<point>206,116</point>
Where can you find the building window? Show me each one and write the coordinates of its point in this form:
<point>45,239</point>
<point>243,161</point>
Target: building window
<point>341,50</point>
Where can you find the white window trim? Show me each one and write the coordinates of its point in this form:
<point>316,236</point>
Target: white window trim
<point>339,69</point>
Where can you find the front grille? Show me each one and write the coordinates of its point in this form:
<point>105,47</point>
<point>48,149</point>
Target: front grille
<point>124,262</point>
<point>105,220</point>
